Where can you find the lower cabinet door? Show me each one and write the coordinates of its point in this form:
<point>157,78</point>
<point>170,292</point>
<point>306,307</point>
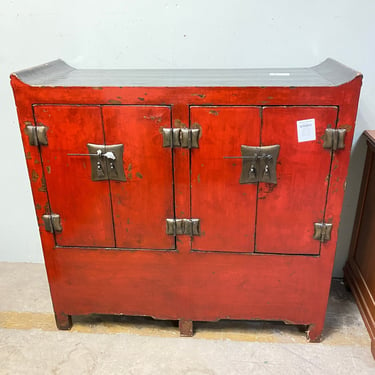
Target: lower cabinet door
<point>143,202</point>
<point>287,211</point>
<point>84,205</point>
<point>225,207</point>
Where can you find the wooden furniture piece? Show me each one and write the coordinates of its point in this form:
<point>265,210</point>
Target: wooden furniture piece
<point>359,270</point>
<point>189,194</point>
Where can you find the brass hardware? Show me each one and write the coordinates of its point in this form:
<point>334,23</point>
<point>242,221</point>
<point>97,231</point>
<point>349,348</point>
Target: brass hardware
<point>114,163</point>
<point>37,135</point>
<point>333,139</point>
<point>190,227</point>
<point>52,223</point>
<point>171,137</point>
<point>322,231</point>
<point>258,164</point>
<point>106,162</point>
<point>181,137</point>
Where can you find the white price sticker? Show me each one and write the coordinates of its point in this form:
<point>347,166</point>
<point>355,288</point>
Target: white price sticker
<point>306,130</point>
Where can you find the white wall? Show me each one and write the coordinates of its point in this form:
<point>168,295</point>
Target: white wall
<point>162,33</point>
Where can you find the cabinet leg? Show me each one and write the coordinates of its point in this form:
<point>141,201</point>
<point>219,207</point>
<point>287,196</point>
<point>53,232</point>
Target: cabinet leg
<point>63,321</point>
<point>186,328</point>
<point>314,333</point>
<point>302,328</point>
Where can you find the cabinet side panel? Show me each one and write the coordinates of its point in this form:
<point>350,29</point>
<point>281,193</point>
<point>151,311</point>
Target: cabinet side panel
<point>143,202</point>
<point>83,205</point>
<point>225,207</point>
<point>288,210</point>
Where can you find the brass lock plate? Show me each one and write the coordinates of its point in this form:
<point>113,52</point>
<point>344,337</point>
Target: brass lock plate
<point>259,164</point>
<point>106,162</point>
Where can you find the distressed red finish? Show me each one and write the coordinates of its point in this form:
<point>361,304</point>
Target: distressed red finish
<point>255,257</point>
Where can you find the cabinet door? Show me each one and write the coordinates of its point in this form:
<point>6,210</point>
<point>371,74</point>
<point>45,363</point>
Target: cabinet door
<point>226,208</point>
<point>143,202</point>
<point>84,206</point>
<point>287,211</point>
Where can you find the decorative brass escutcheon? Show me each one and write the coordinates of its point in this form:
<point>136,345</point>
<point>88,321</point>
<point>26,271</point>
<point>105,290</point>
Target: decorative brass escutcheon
<point>259,164</point>
<point>106,162</point>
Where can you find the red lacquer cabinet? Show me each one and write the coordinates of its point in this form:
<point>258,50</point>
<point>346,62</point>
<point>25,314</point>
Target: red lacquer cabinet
<point>189,194</point>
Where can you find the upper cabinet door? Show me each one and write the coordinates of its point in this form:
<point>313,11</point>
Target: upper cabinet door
<point>226,208</point>
<point>288,210</point>
<point>143,202</point>
<point>84,206</point>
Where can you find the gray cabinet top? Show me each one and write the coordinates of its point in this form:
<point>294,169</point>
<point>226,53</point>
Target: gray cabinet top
<point>59,74</point>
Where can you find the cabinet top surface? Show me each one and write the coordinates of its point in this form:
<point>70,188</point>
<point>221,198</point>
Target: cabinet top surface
<point>59,74</point>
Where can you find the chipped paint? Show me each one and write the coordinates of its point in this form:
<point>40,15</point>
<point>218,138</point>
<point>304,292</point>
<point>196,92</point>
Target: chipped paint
<point>47,209</point>
<point>130,167</point>
<point>139,175</point>
<point>141,99</point>
<point>38,206</point>
<point>195,125</point>
<point>179,124</point>
<point>114,101</point>
<point>28,155</point>
<point>43,188</point>
<point>199,179</point>
<point>34,176</point>
<point>347,127</point>
<point>154,118</point>
<point>215,113</point>
<point>48,169</point>
<point>202,96</point>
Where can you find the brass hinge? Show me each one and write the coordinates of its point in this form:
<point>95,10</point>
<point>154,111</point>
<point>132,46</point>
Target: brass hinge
<point>37,135</point>
<point>333,139</point>
<point>322,232</point>
<point>52,223</point>
<point>181,137</point>
<point>189,227</point>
